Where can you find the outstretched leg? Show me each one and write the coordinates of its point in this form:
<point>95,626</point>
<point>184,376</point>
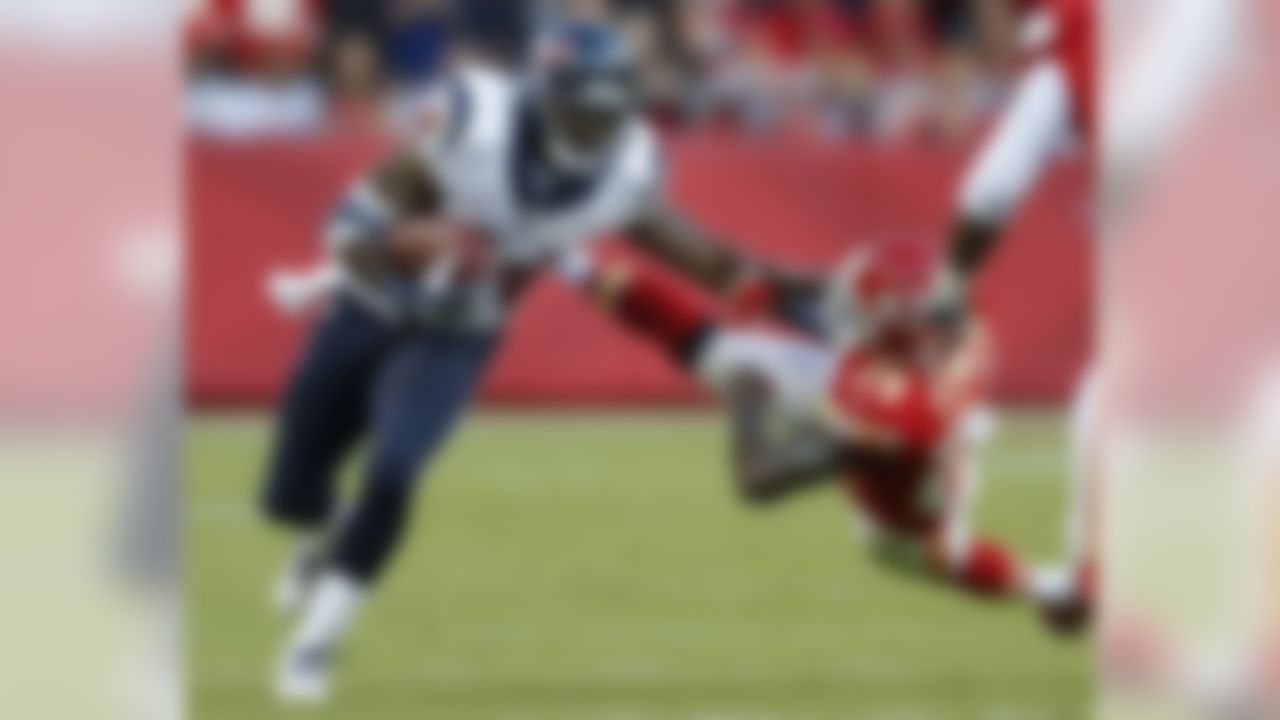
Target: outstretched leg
<point>419,395</point>
<point>658,307</point>
<point>323,414</point>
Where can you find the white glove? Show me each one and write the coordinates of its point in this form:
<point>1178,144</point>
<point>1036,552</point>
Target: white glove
<point>293,292</point>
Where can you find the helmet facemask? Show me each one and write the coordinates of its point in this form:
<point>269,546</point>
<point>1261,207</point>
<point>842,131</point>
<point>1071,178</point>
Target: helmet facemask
<point>585,116</point>
<point>585,105</point>
<point>878,297</point>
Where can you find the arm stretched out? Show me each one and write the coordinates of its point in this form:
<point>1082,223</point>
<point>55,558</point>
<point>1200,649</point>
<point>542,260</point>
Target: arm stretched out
<point>717,265</point>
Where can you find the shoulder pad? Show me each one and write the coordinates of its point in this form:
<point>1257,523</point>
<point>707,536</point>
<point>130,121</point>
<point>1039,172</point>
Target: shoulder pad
<point>468,106</point>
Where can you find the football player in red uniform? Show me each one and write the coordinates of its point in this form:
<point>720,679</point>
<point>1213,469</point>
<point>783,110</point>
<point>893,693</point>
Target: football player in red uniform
<point>889,407</point>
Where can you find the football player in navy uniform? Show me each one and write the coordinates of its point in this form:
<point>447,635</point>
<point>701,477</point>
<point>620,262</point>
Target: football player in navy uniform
<point>507,174</point>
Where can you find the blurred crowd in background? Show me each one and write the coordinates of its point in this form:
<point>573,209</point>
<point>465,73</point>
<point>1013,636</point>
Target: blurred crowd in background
<point>886,69</point>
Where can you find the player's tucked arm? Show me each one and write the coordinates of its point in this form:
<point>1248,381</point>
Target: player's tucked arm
<point>766,468</point>
<point>374,223</point>
<point>713,263</point>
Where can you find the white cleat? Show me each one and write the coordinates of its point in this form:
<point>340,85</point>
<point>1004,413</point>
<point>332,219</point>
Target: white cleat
<point>1065,598</point>
<point>302,677</point>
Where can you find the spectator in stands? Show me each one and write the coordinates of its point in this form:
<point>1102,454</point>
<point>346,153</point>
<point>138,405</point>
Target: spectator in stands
<point>921,54</point>
<point>997,36</point>
<point>496,30</point>
<point>845,75</point>
<point>771,71</point>
<point>881,68</point>
<point>411,37</point>
<point>809,60</point>
<point>585,9</point>
<point>648,25</point>
<point>681,47</point>
<point>953,94</point>
<point>253,80</point>
<point>357,88</point>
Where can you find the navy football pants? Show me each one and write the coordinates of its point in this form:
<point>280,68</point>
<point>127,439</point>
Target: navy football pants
<point>405,390</point>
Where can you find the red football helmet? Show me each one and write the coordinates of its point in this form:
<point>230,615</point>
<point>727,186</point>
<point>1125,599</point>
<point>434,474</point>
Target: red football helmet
<point>880,293</point>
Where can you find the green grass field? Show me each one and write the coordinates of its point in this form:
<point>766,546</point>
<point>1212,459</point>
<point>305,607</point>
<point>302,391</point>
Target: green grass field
<point>598,566</point>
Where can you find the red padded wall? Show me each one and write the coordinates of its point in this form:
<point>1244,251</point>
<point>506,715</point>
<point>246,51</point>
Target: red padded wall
<point>258,206</point>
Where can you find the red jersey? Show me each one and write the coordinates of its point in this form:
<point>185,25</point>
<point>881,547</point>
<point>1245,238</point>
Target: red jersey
<point>906,417</point>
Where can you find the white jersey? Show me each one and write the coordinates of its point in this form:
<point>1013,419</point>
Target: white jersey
<point>474,134</point>
<point>474,145</point>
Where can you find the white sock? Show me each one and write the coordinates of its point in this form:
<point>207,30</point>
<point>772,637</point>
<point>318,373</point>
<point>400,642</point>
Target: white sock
<point>1084,441</point>
<point>307,548</point>
<point>312,545</point>
<point>330,610</point>
<point>1052,584</point>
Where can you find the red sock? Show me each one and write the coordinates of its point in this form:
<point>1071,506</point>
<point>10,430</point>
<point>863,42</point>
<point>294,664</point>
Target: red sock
<point>656,306</point>
<point>989,569</point>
